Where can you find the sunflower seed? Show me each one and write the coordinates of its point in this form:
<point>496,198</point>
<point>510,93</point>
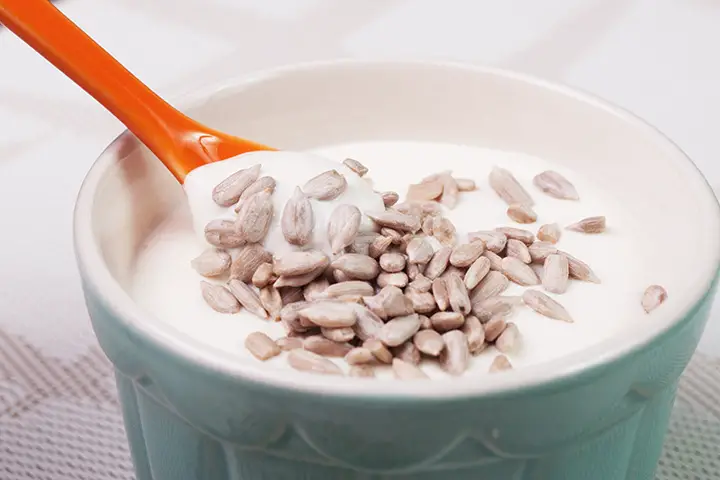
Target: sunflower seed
<point>579,269</point>
<point>393,234</point>
<point>517,249</point>
<point>464,255</point>
<point>339,335</point>
<point>539,251</point>
<point>494,241</point>
<point>413,270</point>
<point>343,226</point>
<point>399,279</point>
<point>364,371</point>
<point>421,284</point>
<point>263,275</point>
<point>458,294</point>
<point>228,191</point>
<point>429,342</point>
<point>259,185</point>
<point>509,339</point>
<point>399,330</point>
<point>421,302</point>
<point>261,346</point>
<point>219,298</point>
<point>545,306</point>
<point>450,191</point>
<point>396,220</point>
<point>476,272</point>
<point>291,319</point>
<point>589,225</point>
<point>444,231</point>
<point>325,186</point>
<point>316,290</point>
<point>427,225</point>
<point>493,284</point>
<point>407,352</point>
<point>521,213</point>
<point>392,262</point>
<point>508,188</point>
<point>389,198</point>
<point>549,233</point>
<point>297,219</point>
<point>253,220</point>
<point>298,280</point>
<point>307,361</point>
<point>300,263</point>
<point>555,185</point>
<point>495,260</point>
<point>494,328</point>
<point>352,287</point>
<point>425,323</point>
<point>653,297</point>
<point>329,314</point>
<point>325,347</point>
<point>271,301</point>
<point>379,351</point>
<point>407,371</point>
<point>212,262</point>
<point>455,358</point>
<point>500,305</point>
<point>375,305</point>
<point>519,272</point>
<point>394,302</point>
<point>359,267</point>
<point>525,236</point>
<point>424,191</point>
<point>379,246</point>
<point>247,261</point>
<point>355,166</point>
<point>465,184</point>
<point>440,293</point>
<point>368,324</point>
<point>556,272</point>
<point>289,343</point>
<point>247,297</point>
<point>359,356</point>
<point>221,233</point>
<point>446,321</point>
<point>419,250</point>
<point>499,364</point>
<point>475,334</point>
<point>438,263</point>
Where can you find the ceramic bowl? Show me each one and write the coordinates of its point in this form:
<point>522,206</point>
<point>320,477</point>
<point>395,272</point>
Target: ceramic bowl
<point>193,413</point>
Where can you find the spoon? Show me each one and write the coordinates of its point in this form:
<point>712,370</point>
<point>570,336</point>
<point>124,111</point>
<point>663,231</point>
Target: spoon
<point>181,143</point>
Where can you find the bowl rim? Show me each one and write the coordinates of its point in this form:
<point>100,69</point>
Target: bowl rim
<point>159,334</point>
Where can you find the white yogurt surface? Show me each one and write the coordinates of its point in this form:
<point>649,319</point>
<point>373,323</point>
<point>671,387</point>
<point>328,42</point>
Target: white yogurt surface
<point>166,285</point>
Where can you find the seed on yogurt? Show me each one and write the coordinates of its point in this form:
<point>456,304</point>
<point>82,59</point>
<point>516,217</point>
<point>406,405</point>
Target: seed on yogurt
<point>263,275</point>
<point>407,352</point>
<point>546,306</point>
<point>653,297</point>
<point>407,371</point>
<point>494,328</point>
<point>396,220</point>
<point>253,220</point>
<point>455,357</point>
<point>247,297</point>
<point>259,185</point>
<point>508,188</point>
<point>525,236</point>
<point>494,241</point>
<point>261,346</point>
<point>297,219</point>
<point>555,185</point>
<point>289,343</point>
<point>550,232</point>
<point>221,233</point>
<point>556,272</point>
<point>355,166</point>
<point>343,226</point>
<point>359,356</point>
<point>228,192</point>
<point>307,361</point>
<point>521,213</point>
<point>475,333</point>
<point>466,184</point>
<point>517,249</point>
<point>589,225</point>
<point>219,298</point>
<point>424,191</point>
<point>579,269</point>
<point>326,186</point>
<point>364,371</point>
<point>326,347</point>
<point>509,339</point>
<point>519,272</point>
<point>429,342</point>
<point>389,198</point>
<point>212,262</point>
<point>500,364</point>
<point>299,263</point>
<point>381,353</point>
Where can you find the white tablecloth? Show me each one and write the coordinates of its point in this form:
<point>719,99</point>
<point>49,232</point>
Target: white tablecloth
<point>59,417</point>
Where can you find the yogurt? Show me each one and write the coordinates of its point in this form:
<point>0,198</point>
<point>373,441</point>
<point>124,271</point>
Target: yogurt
<point>167,287</point>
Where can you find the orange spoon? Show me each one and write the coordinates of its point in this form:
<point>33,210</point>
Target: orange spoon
<point>181,143</point>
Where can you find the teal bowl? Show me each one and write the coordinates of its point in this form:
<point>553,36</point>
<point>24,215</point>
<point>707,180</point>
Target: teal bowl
<point>195,413</point>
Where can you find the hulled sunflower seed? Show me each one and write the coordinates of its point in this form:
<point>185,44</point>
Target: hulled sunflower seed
<point>450,191</point>
<point>556,272</point>
<point>219,298</point>
<point>329,314</point>
<point>368,324</point>
<point>476,272</point>
<point>508,188</point>
<point>289,343</point>
<point>247,261</point>
<point>521,213</point>
<point>549,232</point>
<point>221,233</point>
<point>343,226</point>
<point>519,272</point>
<point>500,364</point>
<point>212,262</point>
<point>589,225</point>
<point>359,356</point>
<point>316,290</point>
<point>392,262</point>
<point>464,255</point>
<point>495,260</point>
<point>291,319</point>
<point>492,285</point>
<point>421,284</point>
<point>458,294</point>
<point>446,321</point>
<point>494,328</point>
<point>444,231</point>
<point>429,342</point>
<point>393,234</point>
<point>427,225</point>
<point>517,249</point>
<point>466,184</point>
<point>247,297</point>
<point>325,347</point>
<point>509,339</point>
<point>379,351</point>
<point>455,358</point>
<point>555,185</point>
<point>394,302</point>
<point>398,330</point>
<point>253,220</point>
<point>359,267</point>
<point>271,301</point>
<point>389,198</point>
<point>261,346</point>
<point>407,371</point>
<point>440,293</point>
<point>438,263</point>
<point>539,251</point>
<point>339,335</point>
<point>525,236</point>
<point>653,297</point>
<point>228,191</point>
<point>362,371</point>
<point>379,246</point>
<point>399,279</point>
<point>419,250</point>
<point>425,323</point>
<point>325,186</point>
<point>579,269</point>
<point>300,263</point>
<point>259,185</point>
<point>298,280</point>
<point>545,306</point>
<point>297,219</point>
<point>351,287</point>
<point>500,305</point>
<point>407,352</point>
<point>263,275</point>
<point>396,221</point>
<point>424,191</point>
<point>355,166</point>
<point>421,302</point>
<point>494,241</point>
<point>413,270</point>
<point>475,333</point>
<point>306,361</point>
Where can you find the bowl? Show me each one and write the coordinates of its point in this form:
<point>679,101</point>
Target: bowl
<point>194,413</point>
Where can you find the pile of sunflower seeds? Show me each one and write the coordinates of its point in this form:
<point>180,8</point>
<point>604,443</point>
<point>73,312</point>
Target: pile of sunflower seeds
<point>407,290</point>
